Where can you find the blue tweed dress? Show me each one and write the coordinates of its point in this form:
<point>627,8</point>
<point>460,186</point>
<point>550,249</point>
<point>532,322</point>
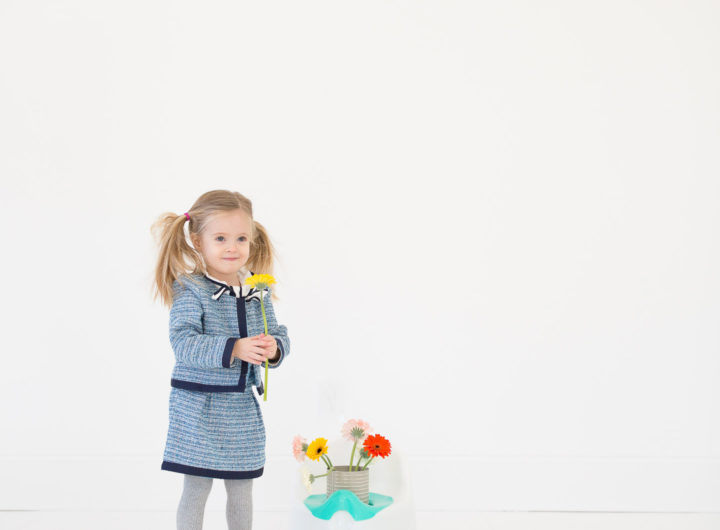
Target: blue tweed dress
<point>216,427</point>
<point>215,434</point>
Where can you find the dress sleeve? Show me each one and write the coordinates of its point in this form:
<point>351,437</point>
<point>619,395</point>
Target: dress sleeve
<point>190,345</point>
<point>276,330</point>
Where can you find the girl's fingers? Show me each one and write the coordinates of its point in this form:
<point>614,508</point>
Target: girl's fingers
<point>261,355</point>
<point>256,359</point>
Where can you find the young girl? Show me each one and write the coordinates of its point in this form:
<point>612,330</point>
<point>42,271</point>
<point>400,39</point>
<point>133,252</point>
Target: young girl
<point>216,428</point>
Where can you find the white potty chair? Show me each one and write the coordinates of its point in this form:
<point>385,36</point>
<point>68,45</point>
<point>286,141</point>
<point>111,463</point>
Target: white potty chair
<point>389,477</point>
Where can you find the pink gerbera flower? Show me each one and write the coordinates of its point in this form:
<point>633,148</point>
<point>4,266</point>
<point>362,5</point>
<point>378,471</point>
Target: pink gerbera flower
<point>299,447</point>
<point>355,430</point>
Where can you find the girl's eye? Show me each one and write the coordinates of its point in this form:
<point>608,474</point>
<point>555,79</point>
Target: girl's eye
<point>243,238</point>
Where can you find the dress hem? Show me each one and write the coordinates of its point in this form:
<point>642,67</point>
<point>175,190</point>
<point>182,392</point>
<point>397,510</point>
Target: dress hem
<point>212,473</point>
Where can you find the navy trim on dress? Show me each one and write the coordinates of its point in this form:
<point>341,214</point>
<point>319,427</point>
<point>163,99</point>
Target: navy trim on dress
<point>202,387</point>
<point>213,473</point>
<point>242,328</point>
<point>227,353</point>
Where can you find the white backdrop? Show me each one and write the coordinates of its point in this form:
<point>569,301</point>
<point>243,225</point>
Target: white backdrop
<point>497,226</point>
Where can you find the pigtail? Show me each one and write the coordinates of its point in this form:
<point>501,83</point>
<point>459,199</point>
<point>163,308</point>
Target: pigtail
<point>174,256</point>
<point>262,254</point>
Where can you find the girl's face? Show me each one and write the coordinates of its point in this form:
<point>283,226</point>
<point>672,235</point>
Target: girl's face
<point>225,244</point>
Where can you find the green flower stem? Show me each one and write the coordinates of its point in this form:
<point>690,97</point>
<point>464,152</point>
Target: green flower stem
<point>265,388</point>
<point>325,475</point>
<point>366,464</point>
<point>262,307</point>
<point>327,461</point>
<point>352,454</point>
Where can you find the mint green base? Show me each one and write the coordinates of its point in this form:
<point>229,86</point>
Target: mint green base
<point>323,507</point>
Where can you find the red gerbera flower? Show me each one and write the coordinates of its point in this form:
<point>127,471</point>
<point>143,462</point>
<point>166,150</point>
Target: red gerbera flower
<point>376,445</point>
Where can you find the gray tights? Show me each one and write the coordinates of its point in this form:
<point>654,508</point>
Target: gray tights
<point>194,496</point>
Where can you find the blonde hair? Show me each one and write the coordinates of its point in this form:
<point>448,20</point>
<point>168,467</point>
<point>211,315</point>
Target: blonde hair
<point>177,259</point>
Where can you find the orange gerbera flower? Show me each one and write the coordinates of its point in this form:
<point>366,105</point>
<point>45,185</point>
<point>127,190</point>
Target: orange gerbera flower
<point>377,445</point>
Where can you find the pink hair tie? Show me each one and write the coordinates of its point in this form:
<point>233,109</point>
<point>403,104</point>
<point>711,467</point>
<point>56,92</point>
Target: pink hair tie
<point>186,215</point>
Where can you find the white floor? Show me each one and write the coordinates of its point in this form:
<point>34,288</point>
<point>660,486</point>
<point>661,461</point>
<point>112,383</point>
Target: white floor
<point>215,520</point>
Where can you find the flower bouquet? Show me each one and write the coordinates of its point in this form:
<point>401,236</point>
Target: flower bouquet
<point>355,476</point>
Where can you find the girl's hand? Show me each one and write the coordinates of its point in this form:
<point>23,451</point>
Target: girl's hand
<point>251,349</point>
<point>270,345</point>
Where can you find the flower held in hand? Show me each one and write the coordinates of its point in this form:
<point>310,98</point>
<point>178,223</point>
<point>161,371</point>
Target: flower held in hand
<point>260,282</point>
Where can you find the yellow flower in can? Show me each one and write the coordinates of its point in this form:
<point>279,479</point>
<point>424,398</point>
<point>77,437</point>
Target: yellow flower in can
<point>317,448</point>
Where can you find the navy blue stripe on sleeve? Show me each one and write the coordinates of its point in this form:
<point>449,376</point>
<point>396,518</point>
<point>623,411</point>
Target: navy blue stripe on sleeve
<point>227,353</point>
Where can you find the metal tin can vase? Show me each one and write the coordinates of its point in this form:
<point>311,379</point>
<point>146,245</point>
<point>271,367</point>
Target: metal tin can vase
<point>341,478</point>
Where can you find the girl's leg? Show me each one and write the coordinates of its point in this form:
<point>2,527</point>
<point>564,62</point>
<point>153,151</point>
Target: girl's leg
<point>192,503</point>
<point>239,503</point>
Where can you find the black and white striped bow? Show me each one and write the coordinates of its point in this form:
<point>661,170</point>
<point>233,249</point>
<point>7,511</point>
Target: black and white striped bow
<point>245,291</point>
<point>248,294</point>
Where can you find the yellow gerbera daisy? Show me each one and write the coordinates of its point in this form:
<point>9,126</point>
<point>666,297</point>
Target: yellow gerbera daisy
<point>317,448</point>
<point>260,281</point>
